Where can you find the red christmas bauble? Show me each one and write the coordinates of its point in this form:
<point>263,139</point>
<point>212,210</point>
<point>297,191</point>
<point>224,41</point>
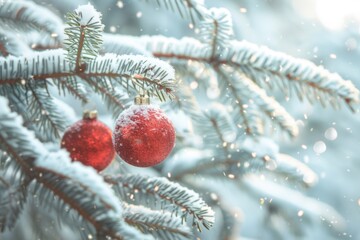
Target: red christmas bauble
<point>143,135</point>
<point>90,142</point>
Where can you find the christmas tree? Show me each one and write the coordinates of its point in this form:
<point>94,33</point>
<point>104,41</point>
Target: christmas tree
<point>58,178</point>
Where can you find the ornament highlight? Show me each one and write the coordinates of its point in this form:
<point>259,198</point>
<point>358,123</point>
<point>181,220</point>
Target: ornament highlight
<point>143,135</point>
<point>90,142</point>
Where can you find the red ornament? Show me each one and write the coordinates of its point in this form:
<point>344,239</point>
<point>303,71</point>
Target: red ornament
<point>143,135</point>
<point>90,142</point>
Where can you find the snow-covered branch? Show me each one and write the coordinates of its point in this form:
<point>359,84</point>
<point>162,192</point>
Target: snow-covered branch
<point>255,60</point>
<point>19,14</point>
<point>161,224</point>
<point>183,200</point>
<point>132,72</point>
<point>191,10</point>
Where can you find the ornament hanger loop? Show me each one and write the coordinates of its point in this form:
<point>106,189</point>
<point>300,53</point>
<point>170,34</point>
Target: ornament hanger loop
<point>90,114</point>
<point>142,99</point>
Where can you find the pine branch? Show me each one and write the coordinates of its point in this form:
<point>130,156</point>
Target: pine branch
<point>167,192</point>
<point>293,169</point>
<point>133,72</point>
<point>122,46</point>
<point>293,70</point>
<point>184,49</point>
<point>161,224</point>
<point>242,55</point>
<point>116,100</point>
<point>26,15</point>
<point>74,87</point>
<point>39,42</point>
<point>231,217</point>
<point>70,188</point>
<point>191,10</point>
<point>45,113</point>
<point>230,224</point>
<point>185,100</point>
<point>12,200</point>
<point>223,131</point>
<point>72,182</point>
<point>291,202</point>
<point>251,91</point>
<point>251,122</point>
<point>10,44</point>
<point>84,35</point>
<point>219,165</point>
<point>216,30</point>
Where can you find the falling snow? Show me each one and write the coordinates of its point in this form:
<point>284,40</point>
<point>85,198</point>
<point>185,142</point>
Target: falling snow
<point>319,147</point>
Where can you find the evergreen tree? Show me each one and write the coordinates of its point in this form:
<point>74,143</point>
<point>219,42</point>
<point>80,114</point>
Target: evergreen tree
<point>220,87</point>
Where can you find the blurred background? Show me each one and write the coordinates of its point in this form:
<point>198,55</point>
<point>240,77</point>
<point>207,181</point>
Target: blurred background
<point>326,32</point>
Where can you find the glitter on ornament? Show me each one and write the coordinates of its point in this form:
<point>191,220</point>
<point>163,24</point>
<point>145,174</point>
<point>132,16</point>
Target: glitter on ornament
<point>143,135</point>
<point>90,142</point>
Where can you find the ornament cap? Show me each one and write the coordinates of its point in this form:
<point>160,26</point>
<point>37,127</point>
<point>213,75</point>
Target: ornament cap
<point>90,114</point>
<point>142,100</point>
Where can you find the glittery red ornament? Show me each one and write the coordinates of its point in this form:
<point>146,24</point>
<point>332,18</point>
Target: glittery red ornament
<point>143,135</point>
<point>90,142</point>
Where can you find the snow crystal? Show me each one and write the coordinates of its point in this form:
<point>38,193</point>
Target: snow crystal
<point>331,134</point>
<point>300,213</point>
<point>139,14</point>
<point>243,10</point>
<point>112,29</point>
<point>88,14</point>
<point>194,85</point>
<point>319,147</point>
<point>120,4</point>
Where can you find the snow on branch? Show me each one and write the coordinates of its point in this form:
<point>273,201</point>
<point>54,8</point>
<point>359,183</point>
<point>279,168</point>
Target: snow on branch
<point>184,49</point>
<point>14,136</point>
<point>293,169</point>
<point>217,118</point>
<point>294,70</point>
<point>10,44</point>
<point>116,100</point>
<point>17,14</point>
<point>249,91</point>
<point>83,35</point>
<point>12,201</point>
<point>84,190</point>
<point>160,224</point>
<point>288,201</point>
<point>216,30</point>
<point>132,72</point>
<point>123,45</point>
<point>182,200</point>
<point>136,72</point>
<point>194,163</point>
<point>74,87</point>
<point>256,61</point>
<point>245,113</point>
<point>46,113</point>
<point>185,100</point>
<point>191,10</point>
